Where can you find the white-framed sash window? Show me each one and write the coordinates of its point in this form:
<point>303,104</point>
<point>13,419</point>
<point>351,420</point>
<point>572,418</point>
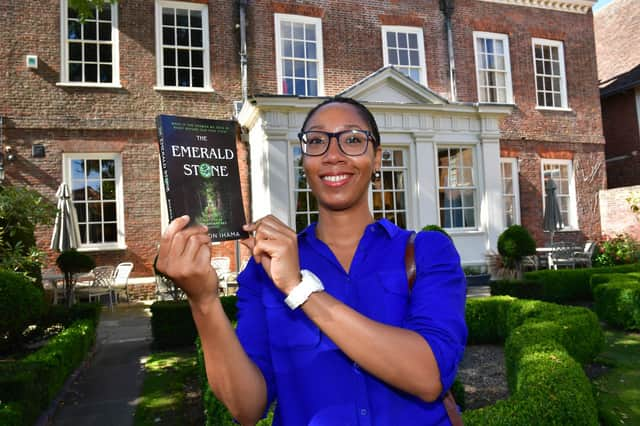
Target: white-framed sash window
<point>389,196</point>
<point>182,46</point>
<point>305,205</point>
<point>457,187</point>
<point>403,47</point>
<point>549,71</point>
<point>510,191</point>
<point>299,64</point>
<point>89,49</point>
<point>95,180</point>
<point>561,171</point>
<point>493,67</point>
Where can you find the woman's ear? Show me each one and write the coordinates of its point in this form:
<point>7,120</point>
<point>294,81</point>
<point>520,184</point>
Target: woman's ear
<point>377,161</point>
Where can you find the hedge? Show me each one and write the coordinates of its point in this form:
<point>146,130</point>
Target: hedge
<point>172,324</point>
<point>617,299</point>
<point>28,385</point>
<point>565,285</point>
<point>545,345</point>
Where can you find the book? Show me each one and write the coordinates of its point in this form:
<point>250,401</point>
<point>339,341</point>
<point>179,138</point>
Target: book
<point>201,173</point>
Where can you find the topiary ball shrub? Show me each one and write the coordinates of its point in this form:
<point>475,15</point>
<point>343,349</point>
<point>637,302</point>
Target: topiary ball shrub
<point>437,229</point>
<point>514,243</point>
<point>72,261</point>
<point>21,304</point>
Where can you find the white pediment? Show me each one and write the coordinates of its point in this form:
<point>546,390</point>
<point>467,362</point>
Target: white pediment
<point>390,86</point>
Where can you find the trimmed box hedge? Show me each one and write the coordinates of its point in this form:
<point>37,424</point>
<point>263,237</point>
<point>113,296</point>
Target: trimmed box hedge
<point>172,324</point>
<point>565,285</point>
<point>617,299</point>
<point>545,345</point>
<point>28,385</point>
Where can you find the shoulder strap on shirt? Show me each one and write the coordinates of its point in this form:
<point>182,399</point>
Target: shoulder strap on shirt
<point>410,260</point>
<point>410,265</point>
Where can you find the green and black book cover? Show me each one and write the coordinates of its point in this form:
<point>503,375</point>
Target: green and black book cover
<point>201,173</point>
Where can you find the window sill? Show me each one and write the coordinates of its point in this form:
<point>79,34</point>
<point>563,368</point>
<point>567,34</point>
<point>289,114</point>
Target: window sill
<point>464,232</point>
<point>103,247</point>
<point>183,89</point>
<point>539,108</point>
<point>567,229</point>
<point>90,85</point>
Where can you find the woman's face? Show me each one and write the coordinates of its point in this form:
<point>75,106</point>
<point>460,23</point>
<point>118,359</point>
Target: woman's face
<point>339,181</point>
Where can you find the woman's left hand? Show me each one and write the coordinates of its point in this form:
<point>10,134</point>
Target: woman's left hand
<point>275,246</point>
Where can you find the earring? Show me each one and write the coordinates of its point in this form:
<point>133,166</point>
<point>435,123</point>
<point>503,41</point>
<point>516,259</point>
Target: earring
<point>375,176</point>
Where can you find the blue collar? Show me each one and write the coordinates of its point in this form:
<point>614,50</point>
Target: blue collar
<point>383,224</point>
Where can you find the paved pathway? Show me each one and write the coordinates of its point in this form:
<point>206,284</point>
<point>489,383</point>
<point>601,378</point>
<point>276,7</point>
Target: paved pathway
<point>105,392</point>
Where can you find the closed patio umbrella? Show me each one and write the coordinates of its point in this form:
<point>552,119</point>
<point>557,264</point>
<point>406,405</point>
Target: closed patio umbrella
<point>66,231</point>
<point>552,216</point>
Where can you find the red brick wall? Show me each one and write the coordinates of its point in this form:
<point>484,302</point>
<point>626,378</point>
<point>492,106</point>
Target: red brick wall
<point>622,132</point>
<point>617,216</point>
<point>75,119</point>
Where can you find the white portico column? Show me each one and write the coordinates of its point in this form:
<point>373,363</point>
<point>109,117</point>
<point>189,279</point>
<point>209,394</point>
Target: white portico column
<point>426,188</point>
<point>276,144</point>
<point>492,209</point>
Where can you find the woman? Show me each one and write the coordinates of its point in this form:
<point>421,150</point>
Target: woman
<point>327,323</point>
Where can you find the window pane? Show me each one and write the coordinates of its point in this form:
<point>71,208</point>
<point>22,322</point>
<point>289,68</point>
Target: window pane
<point>89,32</point>
<point>402,40</point>
<point>182,17</point>
<point>93,169</point>
<point>109,190</point>
<point>167,16</point>
<point>299,68</point>
<point>184,77</point>
<point>182,36</point>
<point>196,19</point>
<point>106,74</point>
<point>74,30</point>
<point>109,212</point>
<point>95,233</point>
<point>168,36</point>
<point>391,39</point>
<point>105,53</point>
<point>404,57</point>
<point>298,31</point>
<point>300,86</point>
<point>77,169</point>
<point>110,233</point>
<point>196,59</point>
<point>287,48</point>
<point>91,73</point>
<point>413,41</point>
<point>90,52</point>
<point>183,58</point>
<point>285,29</point>
<point>75,51</point>
<point>80,211</point>
<point>197,78</point>
<point>312,88</point>
<point>95,212</point>
<point>312,70</point>
<point>196,38</point>
<point>169,76</point>
<point>310,32</point>
<point>298,49</point>
<point>104,31</point>
<point>311,51</point>
<point>169,57</point>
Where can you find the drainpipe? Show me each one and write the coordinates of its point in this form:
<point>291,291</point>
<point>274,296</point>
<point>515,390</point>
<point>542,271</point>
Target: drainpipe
<point>447,6</point>
<point>243,48</point>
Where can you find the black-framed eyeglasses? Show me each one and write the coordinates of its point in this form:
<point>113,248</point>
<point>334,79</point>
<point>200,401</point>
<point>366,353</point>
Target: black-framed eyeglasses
<point>352,142</point>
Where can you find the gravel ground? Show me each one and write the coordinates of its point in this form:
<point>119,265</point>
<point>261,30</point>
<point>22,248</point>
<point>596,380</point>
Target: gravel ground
<point>483,374</point>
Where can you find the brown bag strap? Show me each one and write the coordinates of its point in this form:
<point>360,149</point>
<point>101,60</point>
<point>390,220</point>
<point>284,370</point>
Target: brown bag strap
<point>410,265</point>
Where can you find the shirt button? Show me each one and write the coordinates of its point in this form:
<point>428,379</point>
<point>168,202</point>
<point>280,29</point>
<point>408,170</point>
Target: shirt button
<point>363,412</point>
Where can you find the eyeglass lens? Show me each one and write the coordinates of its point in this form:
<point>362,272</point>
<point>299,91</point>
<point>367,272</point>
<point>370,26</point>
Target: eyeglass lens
<point>351,142</point>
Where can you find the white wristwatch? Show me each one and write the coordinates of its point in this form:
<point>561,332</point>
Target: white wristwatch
<point>300,293</point>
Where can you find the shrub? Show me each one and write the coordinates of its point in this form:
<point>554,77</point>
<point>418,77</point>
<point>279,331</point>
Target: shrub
<point>30,384</point>
<point>514,243</point>
<point>617,299</point>
<point>21,304</point>
<point>437,229</point>
<point>619,250</point>
<point>545,344</point>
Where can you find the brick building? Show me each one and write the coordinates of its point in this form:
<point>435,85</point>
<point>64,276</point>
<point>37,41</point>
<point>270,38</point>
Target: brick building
<point>617,32</point>
<point>476,102</point>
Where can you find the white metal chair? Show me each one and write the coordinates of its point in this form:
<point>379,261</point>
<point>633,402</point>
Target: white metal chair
<point>222,265</point>
<point>100,286</point>
<point>121,278</point>
<point>562,255</point>
<point>583,257</point>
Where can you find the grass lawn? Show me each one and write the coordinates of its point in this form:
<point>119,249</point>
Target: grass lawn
<point>170,393</point>
<point>618,390</point>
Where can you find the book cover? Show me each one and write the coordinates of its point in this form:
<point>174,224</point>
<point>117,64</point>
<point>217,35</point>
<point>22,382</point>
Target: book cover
<point>201,173</point>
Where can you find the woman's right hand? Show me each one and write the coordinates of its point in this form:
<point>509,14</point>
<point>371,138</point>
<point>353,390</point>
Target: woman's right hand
<point>185,257</point>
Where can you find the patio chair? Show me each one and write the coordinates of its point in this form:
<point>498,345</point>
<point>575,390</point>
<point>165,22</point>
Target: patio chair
<point>562,255</point>
<point>583,257</point>
<point>222,265</point>
<point>101,285</point>
<point>121,278</point>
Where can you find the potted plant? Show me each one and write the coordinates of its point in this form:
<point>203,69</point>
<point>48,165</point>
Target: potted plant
<point>476,276</point>
<point>73,262</point>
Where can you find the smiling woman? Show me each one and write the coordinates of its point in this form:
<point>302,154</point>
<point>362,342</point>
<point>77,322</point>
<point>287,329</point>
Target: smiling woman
<point>325,315</point>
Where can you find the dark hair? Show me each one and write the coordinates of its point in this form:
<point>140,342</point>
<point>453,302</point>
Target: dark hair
<point>362,111</point>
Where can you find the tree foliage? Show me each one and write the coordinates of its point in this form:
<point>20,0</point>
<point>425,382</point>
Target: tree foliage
<point>85,8</point>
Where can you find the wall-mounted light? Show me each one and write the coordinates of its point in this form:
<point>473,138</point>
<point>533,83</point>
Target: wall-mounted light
<point>32,62</point>
<point>10,154</point>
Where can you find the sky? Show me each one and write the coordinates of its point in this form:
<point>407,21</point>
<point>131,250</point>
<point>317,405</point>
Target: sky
<point>600,4</point>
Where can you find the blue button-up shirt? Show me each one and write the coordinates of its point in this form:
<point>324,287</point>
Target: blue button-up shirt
<point>314,382</point>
